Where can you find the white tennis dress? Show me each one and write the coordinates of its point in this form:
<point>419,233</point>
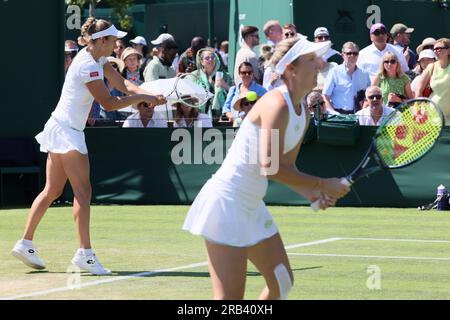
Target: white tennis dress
<point>229,209</point>
<point>63,132</point>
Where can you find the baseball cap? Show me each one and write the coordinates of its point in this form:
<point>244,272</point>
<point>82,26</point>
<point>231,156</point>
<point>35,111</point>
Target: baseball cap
<point>161,38</point>
<point>400,28</point>
<point>300,48</point>
<point>139,40</point>
<point>427,53</point>
<point>377,26</point>
<point>321,31</point>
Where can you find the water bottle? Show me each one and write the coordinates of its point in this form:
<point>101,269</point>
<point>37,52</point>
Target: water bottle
<point>440,194</point>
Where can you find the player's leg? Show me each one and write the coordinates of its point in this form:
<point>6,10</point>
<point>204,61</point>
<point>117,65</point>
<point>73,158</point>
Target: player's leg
<point>76,166</point>
<point>270,258</point>
<point>228,268</point>
<point>54,186</point>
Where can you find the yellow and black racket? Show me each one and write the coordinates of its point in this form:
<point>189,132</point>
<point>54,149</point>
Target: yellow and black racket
<point>405,137</point>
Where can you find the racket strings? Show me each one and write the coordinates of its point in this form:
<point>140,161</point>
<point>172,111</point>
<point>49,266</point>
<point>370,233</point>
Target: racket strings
<point>409,134</point>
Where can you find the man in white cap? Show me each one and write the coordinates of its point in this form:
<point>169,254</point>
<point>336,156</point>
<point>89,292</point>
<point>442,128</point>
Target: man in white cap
<point>402,38</point>
<point>158,42</point>
<point>321,34</point>
<point>370,57</point>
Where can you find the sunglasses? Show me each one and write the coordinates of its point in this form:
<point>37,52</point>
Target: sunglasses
<point>114,66</point>
<point>320,103</point>
<point>289,34</point>
<point>208,58</point>
<point>352,53</point>
<point>375,97</point>
<point>379,32</point>
<point>390,61</point>
<point>246,73</point>
<point>439,49</point>
<point>247,103</point>
<point>323,37</point>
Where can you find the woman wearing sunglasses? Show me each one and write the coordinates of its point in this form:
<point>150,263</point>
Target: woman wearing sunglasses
<point>394,83</point>
<point>437,76</point>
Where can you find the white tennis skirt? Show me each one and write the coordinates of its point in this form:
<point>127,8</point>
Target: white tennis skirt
<point>227,215</point>
<point>59,138</point>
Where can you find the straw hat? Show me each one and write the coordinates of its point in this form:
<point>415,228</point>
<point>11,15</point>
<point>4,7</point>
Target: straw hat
<point>128,52</point>
<point>426,42</point>
<point>118,62</point>
<point>249,96</point>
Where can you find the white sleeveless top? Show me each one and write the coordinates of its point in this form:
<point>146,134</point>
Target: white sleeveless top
<point>76,100</point>
<point>296,128</point>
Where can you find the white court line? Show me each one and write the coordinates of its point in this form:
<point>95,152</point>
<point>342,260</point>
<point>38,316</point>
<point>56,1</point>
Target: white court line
<point>362,256</point>
<point>138,275</point>
<point>399,240</point>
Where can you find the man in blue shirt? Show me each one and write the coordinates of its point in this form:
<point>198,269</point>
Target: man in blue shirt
<point>344,81</point>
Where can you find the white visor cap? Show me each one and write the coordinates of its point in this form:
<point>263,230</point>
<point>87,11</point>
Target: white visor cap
<point>111,31</point>
<point>302,47</point>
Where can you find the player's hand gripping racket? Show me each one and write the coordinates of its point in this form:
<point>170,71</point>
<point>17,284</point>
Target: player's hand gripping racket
<point>406,136</point>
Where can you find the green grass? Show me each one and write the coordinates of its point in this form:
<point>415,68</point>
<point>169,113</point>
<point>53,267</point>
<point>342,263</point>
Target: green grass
<point>133,239</point>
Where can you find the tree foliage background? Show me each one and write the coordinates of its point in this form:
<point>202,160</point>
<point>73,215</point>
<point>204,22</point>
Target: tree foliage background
<point>120,9</point>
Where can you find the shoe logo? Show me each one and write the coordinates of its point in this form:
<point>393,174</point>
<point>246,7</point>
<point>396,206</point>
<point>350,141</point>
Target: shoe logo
<point>31,251</point>
<point>90,262</point>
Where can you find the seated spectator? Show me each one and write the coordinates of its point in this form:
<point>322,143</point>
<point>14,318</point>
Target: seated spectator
<point>224,53</point>
<point>250,39</point>
<point>247,84</point>
<point>144,118</point>
<point>119,46</point>
<point>322,34</point>
<point>208,64</point>
<point>401,35</point>
<point>427,43</point>
<point>140,45</point>
<point>273,32</point>
<point>360,100</point>
<point>161,67</point>
<point>370,57</point>
<point>188,117</point>
<point>376,112</point>
<point>426,57</point>
<point>243,105</point>
<point>131,57</point>
<point>314,99</point>
<point>394,84</point>
<point>70,51</point>
<point>289,31</point>
<point>343,82</point>
<point>437,75</point>
<point>187,61</point>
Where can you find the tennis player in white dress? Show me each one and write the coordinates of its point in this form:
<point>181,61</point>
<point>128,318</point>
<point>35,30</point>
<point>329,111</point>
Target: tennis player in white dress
<point>63,139</point>
<point>229,211</point>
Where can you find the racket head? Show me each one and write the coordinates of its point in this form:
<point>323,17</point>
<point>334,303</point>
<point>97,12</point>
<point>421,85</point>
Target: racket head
<point>190,91</point>
<point>408,133</point>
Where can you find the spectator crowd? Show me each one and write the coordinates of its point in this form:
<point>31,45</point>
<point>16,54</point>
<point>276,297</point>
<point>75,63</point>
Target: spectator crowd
<point>368,82</point>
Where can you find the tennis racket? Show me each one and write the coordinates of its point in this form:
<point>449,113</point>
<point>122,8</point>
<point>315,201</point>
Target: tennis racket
<point>403,138</point>
<point>188,90</point>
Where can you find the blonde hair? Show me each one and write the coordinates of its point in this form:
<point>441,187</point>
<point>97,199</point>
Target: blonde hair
<point>349,44</point>
<point>383,73</point>
<point>280,50</point>
<point>446,43</point>
<point>90,27</point>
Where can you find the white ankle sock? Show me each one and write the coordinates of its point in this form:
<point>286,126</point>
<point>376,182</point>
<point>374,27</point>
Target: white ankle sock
<point>85,252</point>
<point>28,243</point>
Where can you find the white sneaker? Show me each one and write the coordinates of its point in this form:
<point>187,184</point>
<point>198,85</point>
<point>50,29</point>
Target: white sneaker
<point>28,255</point>
<point>90,264</point>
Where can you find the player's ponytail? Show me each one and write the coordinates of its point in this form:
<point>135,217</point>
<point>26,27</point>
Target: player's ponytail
<point>90,27</point>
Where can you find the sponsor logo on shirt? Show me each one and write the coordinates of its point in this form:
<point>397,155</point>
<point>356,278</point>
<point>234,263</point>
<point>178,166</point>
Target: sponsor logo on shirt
<point>94,74</point>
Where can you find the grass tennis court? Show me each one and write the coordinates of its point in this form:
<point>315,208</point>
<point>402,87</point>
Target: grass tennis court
<point>345,253</point>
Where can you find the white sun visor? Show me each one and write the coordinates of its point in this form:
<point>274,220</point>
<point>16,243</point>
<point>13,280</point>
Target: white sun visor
<point>111,31</point>
<point>302,47</point>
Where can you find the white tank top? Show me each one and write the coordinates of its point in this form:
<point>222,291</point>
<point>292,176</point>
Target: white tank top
<point>296,128</point>
<point>240,170</point>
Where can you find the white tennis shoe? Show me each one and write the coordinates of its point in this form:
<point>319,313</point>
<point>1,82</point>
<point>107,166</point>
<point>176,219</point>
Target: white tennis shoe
<point>28,255</point>
<point>91,264</point>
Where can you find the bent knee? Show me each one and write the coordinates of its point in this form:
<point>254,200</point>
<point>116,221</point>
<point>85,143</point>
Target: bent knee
<point>83,196</point>
<point>52,194</point>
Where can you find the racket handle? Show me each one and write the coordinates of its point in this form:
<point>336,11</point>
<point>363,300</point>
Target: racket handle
<point>315,206</point>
